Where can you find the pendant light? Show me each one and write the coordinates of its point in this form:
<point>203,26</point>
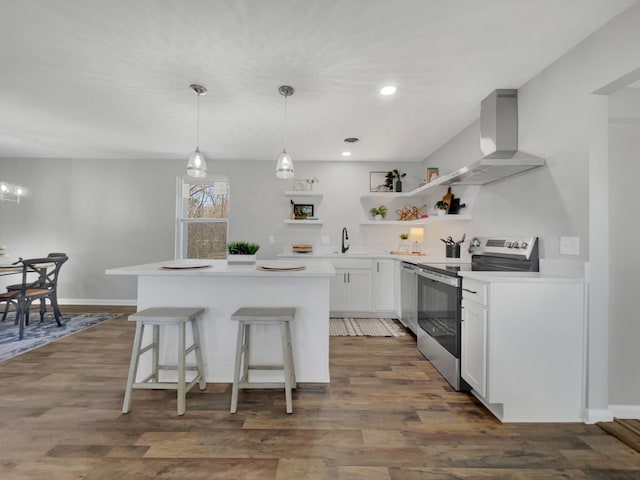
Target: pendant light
<point>284,168</point>
<point>197,165</point>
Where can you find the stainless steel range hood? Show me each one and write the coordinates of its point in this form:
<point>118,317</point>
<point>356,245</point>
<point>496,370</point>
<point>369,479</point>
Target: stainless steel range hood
<point>499,143</point>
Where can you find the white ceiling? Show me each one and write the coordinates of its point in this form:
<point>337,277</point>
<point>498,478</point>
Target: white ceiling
<point>110,79</point>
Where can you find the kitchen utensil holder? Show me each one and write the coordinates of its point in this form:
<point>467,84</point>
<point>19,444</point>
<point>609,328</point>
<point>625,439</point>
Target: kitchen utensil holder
<point>453,251</point>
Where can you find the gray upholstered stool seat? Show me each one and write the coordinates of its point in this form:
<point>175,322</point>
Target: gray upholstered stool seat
<point>163,317</point>
<point>247,316</point>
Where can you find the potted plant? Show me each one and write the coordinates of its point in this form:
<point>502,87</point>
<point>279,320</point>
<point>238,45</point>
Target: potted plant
<point>311,181</point>
<point>394,179</point>
<point>242,253</point>
<point>378,213</point>
<point>441,207</point>
<point>404,246</point>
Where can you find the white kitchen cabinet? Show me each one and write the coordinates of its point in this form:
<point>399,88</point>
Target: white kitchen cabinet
<point>474,346</point>
<point>523,346</point>
<point>351,288</point>
<point>383,285</point>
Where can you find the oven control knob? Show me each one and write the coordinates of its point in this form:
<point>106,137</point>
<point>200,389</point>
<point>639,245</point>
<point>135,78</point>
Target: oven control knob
<point>523,244</point>
<point>475,243</point>
<point>508,244</point>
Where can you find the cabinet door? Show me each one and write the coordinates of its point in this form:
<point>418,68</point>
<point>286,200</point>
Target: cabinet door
<point>474,346</point>
<point>338,290</point>
<point>359,290</point>
<point>384,285</point>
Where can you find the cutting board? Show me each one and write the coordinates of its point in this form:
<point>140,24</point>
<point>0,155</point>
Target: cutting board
<point>448,198</point>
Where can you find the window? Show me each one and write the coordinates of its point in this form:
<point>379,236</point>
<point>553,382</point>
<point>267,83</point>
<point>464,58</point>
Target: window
<point>202,217</point>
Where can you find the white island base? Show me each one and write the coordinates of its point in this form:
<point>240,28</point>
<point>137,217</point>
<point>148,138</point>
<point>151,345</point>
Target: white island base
<point>221,289</point>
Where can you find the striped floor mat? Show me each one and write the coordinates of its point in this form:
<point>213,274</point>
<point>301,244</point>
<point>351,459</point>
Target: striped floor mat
<point>364,327</point>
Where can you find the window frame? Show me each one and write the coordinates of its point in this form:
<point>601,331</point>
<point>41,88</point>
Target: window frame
<point>181,221</point>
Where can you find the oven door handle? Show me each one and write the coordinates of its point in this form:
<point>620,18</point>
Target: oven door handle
<point>470,291</point>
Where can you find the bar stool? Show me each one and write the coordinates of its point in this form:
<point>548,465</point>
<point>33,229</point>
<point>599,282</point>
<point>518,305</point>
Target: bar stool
<point>161,317</point>
<point>246,317</point>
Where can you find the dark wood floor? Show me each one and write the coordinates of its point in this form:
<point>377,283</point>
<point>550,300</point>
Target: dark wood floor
<point>386,415</point>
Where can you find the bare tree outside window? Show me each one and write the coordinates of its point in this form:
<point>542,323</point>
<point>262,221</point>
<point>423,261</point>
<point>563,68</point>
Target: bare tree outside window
<point>203,217</point>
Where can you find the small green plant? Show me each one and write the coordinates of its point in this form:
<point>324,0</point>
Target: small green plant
<point>404,236</point>
<point>441,205</point>
<point>312,180</point>
<point>381,210</point>
<point>393,176</point>
<point>242,248</point>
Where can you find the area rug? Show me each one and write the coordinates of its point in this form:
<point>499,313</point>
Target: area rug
<point>37,334</point>
<point>364,327</point>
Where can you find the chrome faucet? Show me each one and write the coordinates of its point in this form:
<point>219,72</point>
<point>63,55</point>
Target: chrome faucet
<point>345,236</point>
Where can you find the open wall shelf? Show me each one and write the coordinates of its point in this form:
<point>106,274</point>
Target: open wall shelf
<point>421,221</point>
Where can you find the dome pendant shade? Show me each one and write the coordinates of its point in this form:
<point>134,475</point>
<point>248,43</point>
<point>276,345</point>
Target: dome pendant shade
<point>284,168</point>
<point>197,164</point>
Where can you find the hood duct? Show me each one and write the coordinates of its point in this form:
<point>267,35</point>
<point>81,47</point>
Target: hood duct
<point>498,142</point>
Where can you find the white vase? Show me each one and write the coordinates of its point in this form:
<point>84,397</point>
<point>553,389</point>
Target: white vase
<point>378,217</point>
<point>441,211</point>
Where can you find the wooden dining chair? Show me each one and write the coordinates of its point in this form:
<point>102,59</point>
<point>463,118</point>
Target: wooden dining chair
<point>47,285</point>
<point>41,282</point>
<point>45,289</point>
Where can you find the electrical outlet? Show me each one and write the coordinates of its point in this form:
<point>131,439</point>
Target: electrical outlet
<point>272,239</point>
<point>326,239</point>
<point>570,245</point>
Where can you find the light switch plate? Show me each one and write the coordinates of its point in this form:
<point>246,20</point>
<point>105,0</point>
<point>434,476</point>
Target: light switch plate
<point>272,239</point>
<point>326,239</point>
<point>570,245</point>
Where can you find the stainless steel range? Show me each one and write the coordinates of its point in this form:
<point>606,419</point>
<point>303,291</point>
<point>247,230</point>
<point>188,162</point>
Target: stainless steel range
<point>440,296</point>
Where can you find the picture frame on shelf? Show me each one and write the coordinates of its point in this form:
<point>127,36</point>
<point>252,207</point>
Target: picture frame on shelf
<point>299,186</point>
<point>302,210</point>
<point>432,174</point>
<point>378,182</point>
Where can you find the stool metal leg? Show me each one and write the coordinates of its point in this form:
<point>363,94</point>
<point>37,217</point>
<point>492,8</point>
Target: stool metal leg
<point>198,352</point>
<point>181,372</point>
<point>236,373</point>
<point>133,367</point>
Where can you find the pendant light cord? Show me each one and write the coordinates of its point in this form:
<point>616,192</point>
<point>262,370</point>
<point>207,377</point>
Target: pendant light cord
<point>285,123</point>
<point>198,123</point>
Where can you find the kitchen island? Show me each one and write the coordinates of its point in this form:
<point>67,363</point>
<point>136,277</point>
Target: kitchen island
<point>221,289</point>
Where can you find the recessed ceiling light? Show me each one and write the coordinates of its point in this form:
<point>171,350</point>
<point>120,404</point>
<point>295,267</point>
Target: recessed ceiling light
<point>388,90</point>
<point>346,154</point>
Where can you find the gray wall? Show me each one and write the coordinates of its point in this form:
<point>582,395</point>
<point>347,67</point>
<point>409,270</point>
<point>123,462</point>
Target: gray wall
<point>111,213</point>
<point>556,118</point>
<point>624,194</point>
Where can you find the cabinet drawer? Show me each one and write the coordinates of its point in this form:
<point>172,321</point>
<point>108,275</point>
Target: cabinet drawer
<point>474,290</point>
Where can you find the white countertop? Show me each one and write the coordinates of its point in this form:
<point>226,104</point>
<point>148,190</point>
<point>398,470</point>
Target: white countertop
<point>521,277</point>
<point>371,255</point>
<point>220,268</point>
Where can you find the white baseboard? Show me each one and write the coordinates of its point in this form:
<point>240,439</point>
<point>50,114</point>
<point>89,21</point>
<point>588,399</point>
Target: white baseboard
<point>625,411</point>
<point>595,416</point>
<point>97,301</point>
